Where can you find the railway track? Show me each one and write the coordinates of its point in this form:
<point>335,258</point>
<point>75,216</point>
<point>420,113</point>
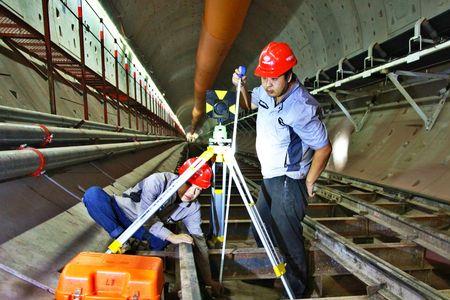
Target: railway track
<point>364,241</point>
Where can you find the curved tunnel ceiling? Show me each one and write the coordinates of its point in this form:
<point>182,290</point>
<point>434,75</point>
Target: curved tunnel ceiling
<point>166,34</point>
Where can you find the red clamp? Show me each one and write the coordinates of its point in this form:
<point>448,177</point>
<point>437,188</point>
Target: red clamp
<point>48,136</point>
<point>40,168</point>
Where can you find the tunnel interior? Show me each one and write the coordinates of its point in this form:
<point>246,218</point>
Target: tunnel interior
<point>104,93</point>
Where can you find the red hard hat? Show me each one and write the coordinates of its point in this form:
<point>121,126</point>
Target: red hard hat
<point>275,60</point>
<point>201,178</point>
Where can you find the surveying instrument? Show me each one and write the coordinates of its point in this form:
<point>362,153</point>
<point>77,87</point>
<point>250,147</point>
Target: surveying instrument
<point>223,149</point>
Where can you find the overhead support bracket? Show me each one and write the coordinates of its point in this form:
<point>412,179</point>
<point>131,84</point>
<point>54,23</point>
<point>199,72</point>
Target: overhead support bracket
<point>321,73</point>
<point>381,55</point>
<point>358,125</point>
<point>428,121</point>
<point>340,70</point>
<point>422,22</point>
<point>412,57</point>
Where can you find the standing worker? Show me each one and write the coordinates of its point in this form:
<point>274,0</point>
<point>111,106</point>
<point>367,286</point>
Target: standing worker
<point>293,149</point>
<point>116,213</point>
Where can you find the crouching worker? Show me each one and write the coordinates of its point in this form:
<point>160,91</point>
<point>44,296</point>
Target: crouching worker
<point>116,213</point>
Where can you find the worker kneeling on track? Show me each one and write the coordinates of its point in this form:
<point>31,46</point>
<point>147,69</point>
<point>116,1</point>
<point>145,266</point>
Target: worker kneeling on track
<point>116,213</point>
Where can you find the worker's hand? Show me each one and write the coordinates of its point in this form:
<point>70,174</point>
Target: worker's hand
<point>310,188</point>
<point>236,78</point>
<point>180,238</point>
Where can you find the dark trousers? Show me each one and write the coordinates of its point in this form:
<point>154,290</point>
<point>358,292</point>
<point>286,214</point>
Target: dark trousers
<point>281,204</point>
<point>105,212</point>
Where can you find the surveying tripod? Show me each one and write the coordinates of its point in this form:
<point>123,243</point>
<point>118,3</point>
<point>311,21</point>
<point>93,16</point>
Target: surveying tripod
<point>224,150</point>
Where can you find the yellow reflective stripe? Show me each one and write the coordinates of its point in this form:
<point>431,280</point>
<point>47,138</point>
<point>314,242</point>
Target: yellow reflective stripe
<point>218,191</point>
<point>219,239</point>
<point>115,246</point>
<point>280,269</point>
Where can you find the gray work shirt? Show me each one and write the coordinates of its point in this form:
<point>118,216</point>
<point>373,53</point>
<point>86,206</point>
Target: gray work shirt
<point>146,192</point>
<point>287,133</point>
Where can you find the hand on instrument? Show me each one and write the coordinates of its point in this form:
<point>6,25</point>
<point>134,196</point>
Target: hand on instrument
<point>180,238</point>
<point>238,75</point>
<point>310,188</point>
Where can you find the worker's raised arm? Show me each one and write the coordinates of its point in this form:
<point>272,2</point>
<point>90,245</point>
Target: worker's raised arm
<point>245,99</point>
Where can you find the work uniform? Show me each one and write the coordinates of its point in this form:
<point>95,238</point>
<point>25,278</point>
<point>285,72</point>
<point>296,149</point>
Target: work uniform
<point>286,136</point>
<point>116,213</point>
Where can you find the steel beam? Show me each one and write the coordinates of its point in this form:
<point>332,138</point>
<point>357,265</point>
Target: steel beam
<point>358,125</point>
<point>146,94</point>
<point>346,226</point>
<point>428,121</point>
<point>417,229</point>
<point>190,289</point>
<point>135,97</point>
<point>48,53</point>
<point>127,85</point>
<point>314,210</point>
<point>252,263</point>
<point>116,75</point>
<point>395,194</point>
<point>405,256</point>
<point>82,61</point>
<point>373,271</point>
<point>103,59</point>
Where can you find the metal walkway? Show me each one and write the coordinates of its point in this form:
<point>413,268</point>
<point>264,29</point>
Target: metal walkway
<point>22,37</point>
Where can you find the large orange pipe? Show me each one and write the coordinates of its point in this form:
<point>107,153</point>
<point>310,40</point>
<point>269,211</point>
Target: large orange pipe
<point>222,22</point>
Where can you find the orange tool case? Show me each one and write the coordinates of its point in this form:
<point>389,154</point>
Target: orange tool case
<point>99,276</point>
